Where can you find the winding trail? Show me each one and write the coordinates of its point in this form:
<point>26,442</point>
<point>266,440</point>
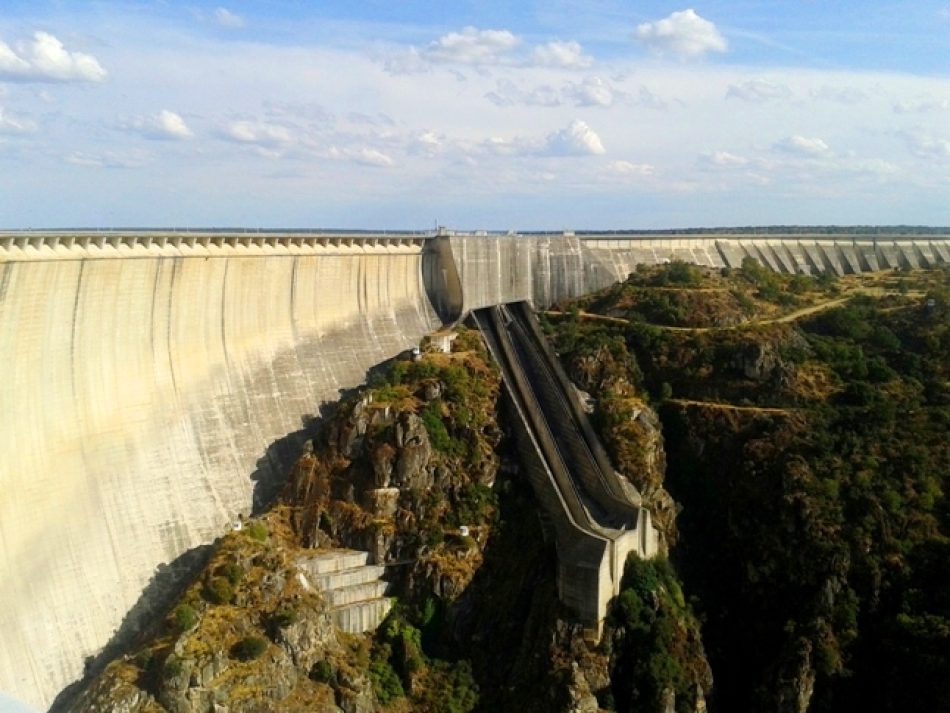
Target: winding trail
<point>785,318</point>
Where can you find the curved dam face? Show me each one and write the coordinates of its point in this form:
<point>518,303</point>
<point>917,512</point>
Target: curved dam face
<point>144,388</point>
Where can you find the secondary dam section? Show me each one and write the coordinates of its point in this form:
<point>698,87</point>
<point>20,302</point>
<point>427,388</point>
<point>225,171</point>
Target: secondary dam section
<point>155,381</point>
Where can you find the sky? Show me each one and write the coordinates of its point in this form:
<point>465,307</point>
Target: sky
<point>476,114</point>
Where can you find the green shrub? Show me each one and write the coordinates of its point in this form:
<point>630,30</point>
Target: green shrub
<point>172,668</point>
<point>249,648</point>
<point>438,434</point>
<point>185,617</point>
<point>233,572</point>
<point>386,684</point>
<point>285,616</point>
<point>322,672</point>
<point>257,531</point>
<point>218,590</point>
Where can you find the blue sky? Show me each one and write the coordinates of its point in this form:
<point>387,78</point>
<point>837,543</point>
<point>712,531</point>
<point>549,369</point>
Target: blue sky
<point>557,114</point>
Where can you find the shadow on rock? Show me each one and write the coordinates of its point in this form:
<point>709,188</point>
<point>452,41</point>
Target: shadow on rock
<point>164,588</point>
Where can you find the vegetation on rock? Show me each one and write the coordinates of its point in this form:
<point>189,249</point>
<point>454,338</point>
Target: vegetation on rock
<point>807,444</point>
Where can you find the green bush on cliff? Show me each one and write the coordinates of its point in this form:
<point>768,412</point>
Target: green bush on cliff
<point>656,647</point>
<point>400,667</point>
<point>249,648</point>
<point>257,531</point>
<point>185,617</point>
<point>438,434</point>
<point>218,590</point>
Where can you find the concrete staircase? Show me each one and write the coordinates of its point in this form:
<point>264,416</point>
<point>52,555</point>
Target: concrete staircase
<point>351,586</point>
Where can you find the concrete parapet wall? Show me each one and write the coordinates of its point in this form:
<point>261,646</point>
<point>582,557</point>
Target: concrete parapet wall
<point>144,401</point>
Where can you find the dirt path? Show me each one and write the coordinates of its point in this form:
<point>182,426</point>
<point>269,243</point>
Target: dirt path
<point>790,317</point>
<point>733,407</point>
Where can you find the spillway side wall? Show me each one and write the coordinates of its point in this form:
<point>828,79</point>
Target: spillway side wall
<point>142,401</point>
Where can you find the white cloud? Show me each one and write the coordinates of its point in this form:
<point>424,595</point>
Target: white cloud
<point>724,159</point>
<point>683,34</point>
<point>166,125</point>
<point>803,146</point>
<point>369,157</point>
<point>107,159</point>
<point>593,91</point>
<point>10,124</point>
<point>921,106</point>
<point>427,143</point>
<point>926,145</point>
<point>842,95</point>
<point>566,55</point>
<point>758,90</point>
<point>507,93</point>
<point>473,46</point>
<point>626,168</point>
<point>45,59</point>
<point>226,18</point>
<point>409,61</point>
<point>875,167</point>
<point>258,133</point>
<point>577,139</point>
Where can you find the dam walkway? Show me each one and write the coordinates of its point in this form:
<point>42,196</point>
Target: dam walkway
<point>597,516</point>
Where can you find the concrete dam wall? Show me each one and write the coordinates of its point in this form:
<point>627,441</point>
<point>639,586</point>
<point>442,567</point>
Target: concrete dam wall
<point>142,398</point>
<point>155,382</point>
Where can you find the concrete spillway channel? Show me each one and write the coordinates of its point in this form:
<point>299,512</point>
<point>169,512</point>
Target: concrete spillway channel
<point>596,517</point>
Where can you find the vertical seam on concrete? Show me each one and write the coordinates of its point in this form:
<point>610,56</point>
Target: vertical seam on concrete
<point>72,337</point>
<point>176,266</point>
<point>151,311</point>
<point>5,280</point>
<point>224,319</point>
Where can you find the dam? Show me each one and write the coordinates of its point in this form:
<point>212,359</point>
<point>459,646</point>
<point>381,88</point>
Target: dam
<point>157,382</point>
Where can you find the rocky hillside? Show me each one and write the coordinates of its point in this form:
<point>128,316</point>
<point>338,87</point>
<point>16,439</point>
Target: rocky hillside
<point>417,470</point>
<point>806,432</point>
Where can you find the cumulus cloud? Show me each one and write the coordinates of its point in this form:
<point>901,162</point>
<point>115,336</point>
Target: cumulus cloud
<point>427,143</point>
<point>473,46</point>
<point>507,93</point>
<point>626,168</point>
<point>593,91</point>
<point>166,125</point>
<point>10,124</point>
<point>724,159</point>
<point>926,145</point>
<point>369,157</point>
<point>226,18</point>
<point>566,55</point>
<point>758,90</point>
<point>576,139</point>
<point>803,146</point>
<point>683,34</point>
<point>258,133</point>
<point>45,59</point>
